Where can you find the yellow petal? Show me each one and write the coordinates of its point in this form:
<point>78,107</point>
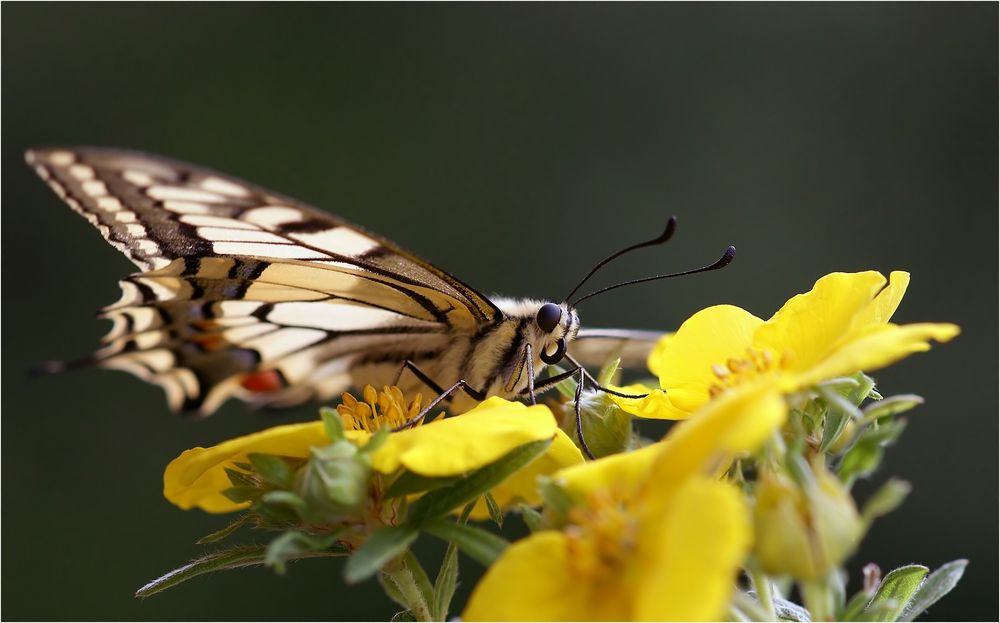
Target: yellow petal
<point>693,544</point>
<point>684,360</point>
<point>617,471</point>
<point>881,309</point>
<point>809,325</point>
<point>653,359</point>
<point>532,581</point>
<point>463,443</point>
<point>197,477</point>
<point>522,486</point>
<point>655,405</point>
<point>739,420</point>
<point>877,348</point>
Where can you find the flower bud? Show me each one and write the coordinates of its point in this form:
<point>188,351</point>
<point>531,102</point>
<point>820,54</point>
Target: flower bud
<point>333,483</point>
<point>804,531</point>
<point>606,427</point>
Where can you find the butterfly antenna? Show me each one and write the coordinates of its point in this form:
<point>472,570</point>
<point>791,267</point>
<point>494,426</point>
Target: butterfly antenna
<point>665,236</point>
<point>722,262</point>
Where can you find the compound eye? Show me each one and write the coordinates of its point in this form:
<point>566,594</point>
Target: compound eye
<point>548,317</point>
<point>557,355</point>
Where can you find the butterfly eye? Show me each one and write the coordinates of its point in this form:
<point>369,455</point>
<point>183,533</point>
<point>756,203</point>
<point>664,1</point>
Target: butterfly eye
<point>557,356</point>
<point>548,317</point>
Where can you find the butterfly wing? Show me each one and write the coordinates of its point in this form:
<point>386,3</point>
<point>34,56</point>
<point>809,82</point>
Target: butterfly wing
<point>594,348</point>
<point>245,292</point>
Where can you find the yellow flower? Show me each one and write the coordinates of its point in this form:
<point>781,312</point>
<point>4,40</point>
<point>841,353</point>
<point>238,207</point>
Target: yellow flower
<point>649,535</point>
<point>838,328</point>
<point>445,447</point>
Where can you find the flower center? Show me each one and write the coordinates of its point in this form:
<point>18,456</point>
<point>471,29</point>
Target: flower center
<point>739,370</point>
<point>386,408</point>
<point>602,535</point>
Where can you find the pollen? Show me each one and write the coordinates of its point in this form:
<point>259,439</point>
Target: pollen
<point>739,370</point>
<point>379,409</point>
<point>602,536</point>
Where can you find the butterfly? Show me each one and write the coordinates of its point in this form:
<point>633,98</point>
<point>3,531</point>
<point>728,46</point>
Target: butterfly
<point>245,293</point>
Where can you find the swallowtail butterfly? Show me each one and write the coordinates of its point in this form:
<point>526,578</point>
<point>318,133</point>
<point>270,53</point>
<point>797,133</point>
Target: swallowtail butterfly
<point>246,293</point>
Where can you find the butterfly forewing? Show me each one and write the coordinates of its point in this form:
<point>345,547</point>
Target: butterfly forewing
<point>248,293</point>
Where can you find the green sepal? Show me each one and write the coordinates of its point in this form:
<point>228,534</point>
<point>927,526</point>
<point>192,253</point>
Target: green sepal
<point>233,526</point>
<point>240,479</point>
<point>384,545</point>
<point>887,499</point>
<point>894,593</point>
<point>286,498</point>
<point>408,483</point>
<point>866,453</point>
<point>555,499</point>
<point>441,501</point>
<point>234,558</point>
<point>496,513</point>
<point>241,494</point>
<point>294,543</point>
<point>274,470</point>
<point>531,518</point>
<point>937,585</point>
<point>482,546</point>
<point>893,405</point>
<point>608,374</point>
<point>375,441</point>
<point>332,423</point>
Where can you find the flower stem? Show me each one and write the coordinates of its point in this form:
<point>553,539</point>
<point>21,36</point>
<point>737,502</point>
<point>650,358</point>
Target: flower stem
<point>404,580</point>
<point>818,599</point>
<point>765,596</point>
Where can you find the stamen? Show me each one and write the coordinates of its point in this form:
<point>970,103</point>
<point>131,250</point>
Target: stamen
<point>387,408</point>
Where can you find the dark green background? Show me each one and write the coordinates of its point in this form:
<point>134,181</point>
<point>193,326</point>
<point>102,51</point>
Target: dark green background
<point>513,145</point>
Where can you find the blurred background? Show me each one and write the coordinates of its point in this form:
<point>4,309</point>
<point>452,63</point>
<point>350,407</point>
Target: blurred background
<point>514,145</point>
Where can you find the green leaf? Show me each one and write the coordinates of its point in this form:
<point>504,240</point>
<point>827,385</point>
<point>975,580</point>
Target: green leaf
<point>441,501</point>
<point>532,518</point>
<point>482,546</point>
<point>224,560</point>
<point>273,469</point>
<point>408,483</point>
<point>445,583</point>
<point>789,611</point>
<point>866,454</point>
<point>894,593</point>
<point>937,585</point>
<point>887,499</point>
<point>380,548</point>
<point>496,514</point>
<point>420,578</point>
<point>892,406</point>
<point>294,543</point>
<point>218,535</point>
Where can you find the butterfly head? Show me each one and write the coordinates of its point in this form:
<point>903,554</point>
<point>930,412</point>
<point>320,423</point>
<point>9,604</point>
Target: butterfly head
<point>556,325</point>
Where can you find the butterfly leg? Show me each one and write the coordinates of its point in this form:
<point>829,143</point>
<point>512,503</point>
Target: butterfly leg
<point>554,380</point>
<point>445,394</point>
<point>596,384</point>
<point>420,374</point>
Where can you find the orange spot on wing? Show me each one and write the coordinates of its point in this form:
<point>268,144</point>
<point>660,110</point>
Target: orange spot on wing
<point>263,381</point>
